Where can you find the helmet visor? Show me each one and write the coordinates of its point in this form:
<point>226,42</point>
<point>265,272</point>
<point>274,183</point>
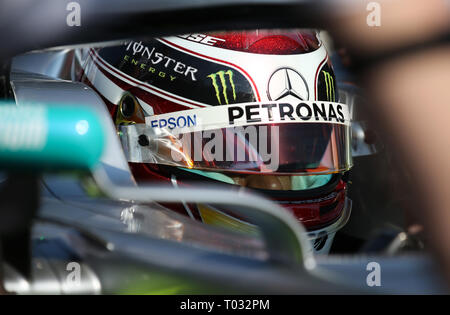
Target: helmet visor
<point>308,138</point>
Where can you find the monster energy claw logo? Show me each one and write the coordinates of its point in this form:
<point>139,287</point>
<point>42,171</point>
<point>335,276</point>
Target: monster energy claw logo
<point>223,75</point>
<point>330,86</point>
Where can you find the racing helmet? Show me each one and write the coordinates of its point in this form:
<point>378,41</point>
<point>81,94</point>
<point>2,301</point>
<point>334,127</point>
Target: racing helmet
<point>255,109</point>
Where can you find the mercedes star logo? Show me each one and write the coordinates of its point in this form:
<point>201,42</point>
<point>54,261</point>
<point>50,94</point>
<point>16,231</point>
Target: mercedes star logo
<point>286,83</point>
